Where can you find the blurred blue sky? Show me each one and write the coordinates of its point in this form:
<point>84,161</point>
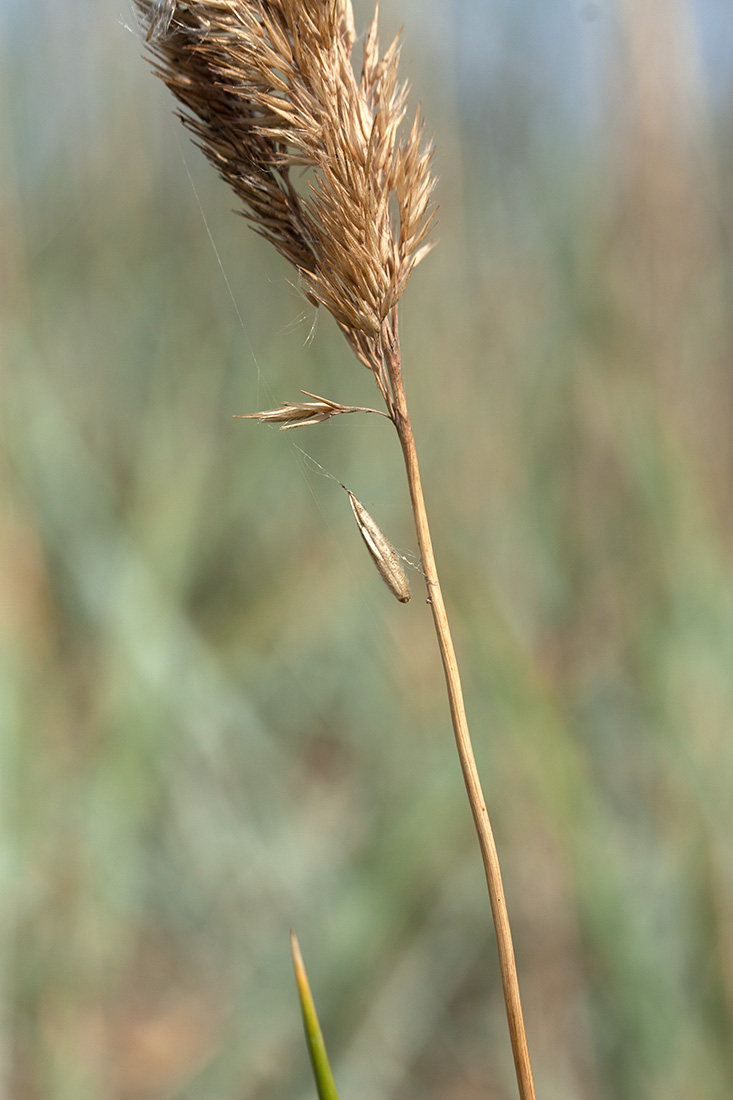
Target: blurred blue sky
<point>482,31</point>
<point>550,55</point>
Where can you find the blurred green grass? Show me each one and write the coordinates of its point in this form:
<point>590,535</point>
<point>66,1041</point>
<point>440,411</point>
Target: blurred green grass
<point>215,723</point>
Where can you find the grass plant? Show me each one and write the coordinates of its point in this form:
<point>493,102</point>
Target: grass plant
<point>268,91</point>
<point>214,724</point>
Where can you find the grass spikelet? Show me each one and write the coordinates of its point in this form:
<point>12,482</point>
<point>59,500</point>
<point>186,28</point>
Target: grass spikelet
<point>297,414</point>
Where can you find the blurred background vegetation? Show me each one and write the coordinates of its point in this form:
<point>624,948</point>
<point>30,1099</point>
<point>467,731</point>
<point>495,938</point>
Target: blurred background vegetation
<point>216,723</point>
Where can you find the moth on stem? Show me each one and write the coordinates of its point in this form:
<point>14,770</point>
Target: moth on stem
<point>383,553</point>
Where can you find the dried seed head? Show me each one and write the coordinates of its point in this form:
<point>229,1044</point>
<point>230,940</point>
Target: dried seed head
<point>296,414</point>
<point>383,553</point>
<point>268,86</point>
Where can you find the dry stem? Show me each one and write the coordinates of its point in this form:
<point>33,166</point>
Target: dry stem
<point>507,963</point>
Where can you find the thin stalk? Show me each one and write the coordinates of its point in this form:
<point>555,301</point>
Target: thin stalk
<point>507,964</point>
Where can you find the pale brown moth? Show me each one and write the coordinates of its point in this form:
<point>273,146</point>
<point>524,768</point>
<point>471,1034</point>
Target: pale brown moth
<point>383,554</point>
<point>381,550</point>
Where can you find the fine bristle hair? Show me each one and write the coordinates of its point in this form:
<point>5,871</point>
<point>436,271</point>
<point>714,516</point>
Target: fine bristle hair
<point>269,90</point>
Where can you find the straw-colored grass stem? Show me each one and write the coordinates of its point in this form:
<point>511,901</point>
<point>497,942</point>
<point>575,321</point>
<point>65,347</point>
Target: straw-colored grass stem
<point>507,962</point>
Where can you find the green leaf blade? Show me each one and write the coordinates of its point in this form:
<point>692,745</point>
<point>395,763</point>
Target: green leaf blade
<point>313,1036</point>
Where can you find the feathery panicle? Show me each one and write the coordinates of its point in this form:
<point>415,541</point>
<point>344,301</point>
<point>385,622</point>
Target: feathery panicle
<point>268,88</point>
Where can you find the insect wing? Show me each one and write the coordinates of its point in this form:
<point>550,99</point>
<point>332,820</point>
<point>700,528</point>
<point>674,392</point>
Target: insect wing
<point>383,554</point>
